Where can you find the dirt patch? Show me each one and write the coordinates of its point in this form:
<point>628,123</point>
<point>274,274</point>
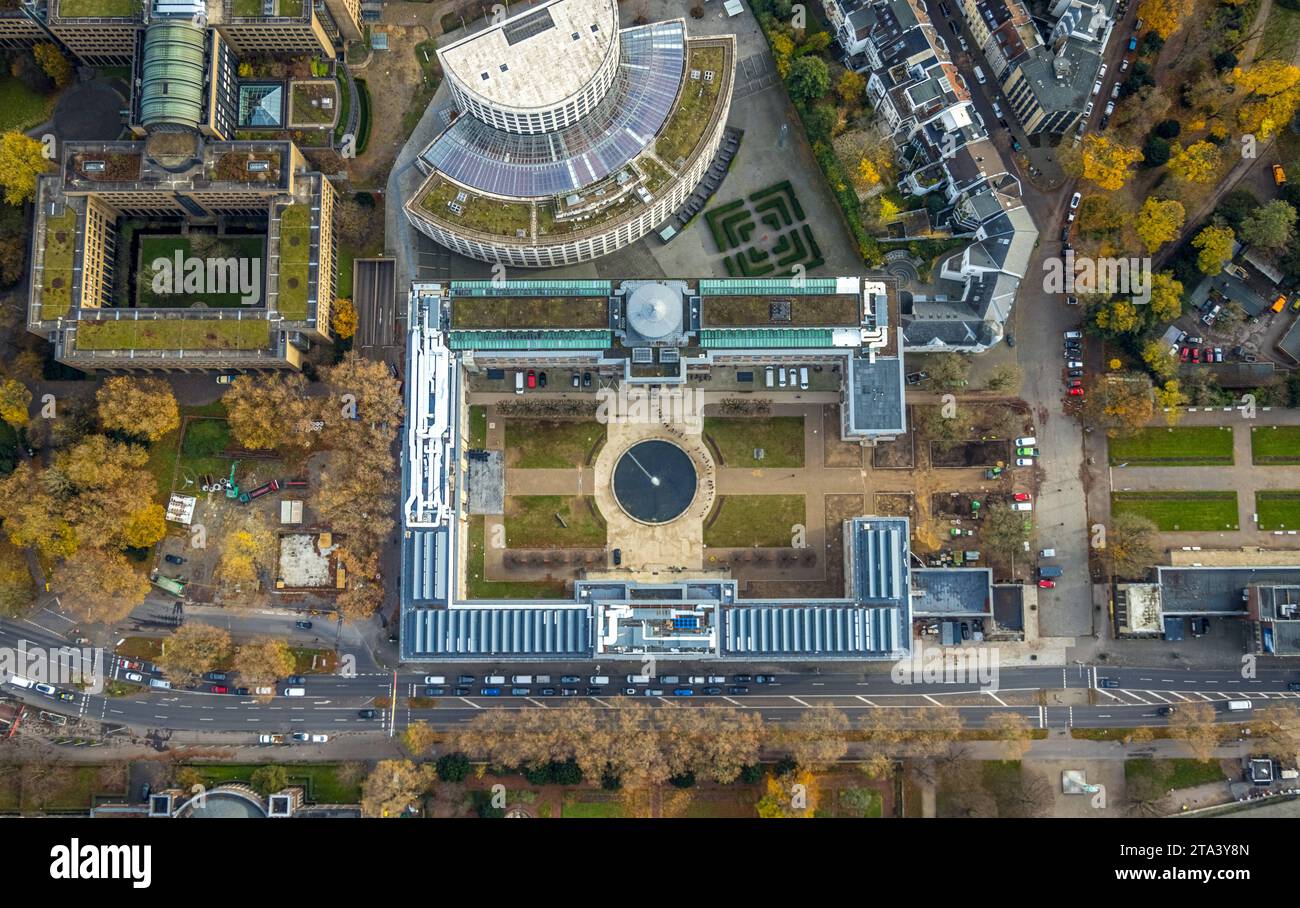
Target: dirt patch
<point>894,504</point>
<point>899,454</point>
<point>837,451</point>
<point>971,454</point>
<point>393,78</point>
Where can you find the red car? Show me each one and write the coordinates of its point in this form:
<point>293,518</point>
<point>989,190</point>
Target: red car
<point>220,689</point>
<point>1208,353</point>
<point>532,379</point>
<point>131,665</point>
<point>1076,384</point>
<point>1184,353</point>
<point>1196,354</point>
<point>1022,496</point>
<point>1076,392</point>
<point>1047,584</point>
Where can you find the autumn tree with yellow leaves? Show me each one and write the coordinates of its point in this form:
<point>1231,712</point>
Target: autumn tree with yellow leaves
<point>1164,17</point>
<point>1272,89</point>
<point>1108,164</point>
<point>1215,245</point>
<point>1197,163</point>
<point>1159,221</point>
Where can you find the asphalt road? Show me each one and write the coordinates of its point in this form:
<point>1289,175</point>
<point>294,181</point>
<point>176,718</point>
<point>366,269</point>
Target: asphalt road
<point>332,702</point>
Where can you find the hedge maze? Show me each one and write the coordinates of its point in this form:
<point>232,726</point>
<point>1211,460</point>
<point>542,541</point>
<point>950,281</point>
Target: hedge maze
<point>783,241</point>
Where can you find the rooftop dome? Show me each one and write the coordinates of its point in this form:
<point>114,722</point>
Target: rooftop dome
<point>654,311</point>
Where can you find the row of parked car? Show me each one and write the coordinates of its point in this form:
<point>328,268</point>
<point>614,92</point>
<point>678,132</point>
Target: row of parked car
<point>527,685</point>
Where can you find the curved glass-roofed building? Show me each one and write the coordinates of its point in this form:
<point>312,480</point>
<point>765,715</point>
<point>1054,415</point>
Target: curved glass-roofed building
<point>573,140</point>
<point>172,74</point>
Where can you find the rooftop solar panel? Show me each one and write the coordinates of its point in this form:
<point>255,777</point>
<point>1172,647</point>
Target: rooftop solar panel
<point>490,160</point>
<point>522,29</point>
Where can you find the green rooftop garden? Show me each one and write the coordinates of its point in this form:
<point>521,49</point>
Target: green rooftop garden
<point>690,117</point>
<point>56,284</point>
<point>480,213</point>
<point>99,9</point>
<point>655,175</point>
<point>805,311</point>
<point>529,312</point>
<point>174,334</point>
<point>252,9</point>
<point>295,253</point>
<point>233,166</point>
<point>303,112</point>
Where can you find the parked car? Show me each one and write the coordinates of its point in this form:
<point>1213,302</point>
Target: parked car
<point>66,695</point>
<point>765,679</point>
<point>546,692</point>
<point>296,679</point>
<point>541,379</point>
<point>1166,710</point>
<point>1074,364</point>
<point>461,692</point>
<point>216,676</point>
<point>586,379</point>
<point>575,380</point>
<point>1108,682</point>
<point>594,691</point>
<point>1075,373</point>
<point>173,559</point>
<point>1027,452</point>
<point>1047,584</point>
<point>532,378</point>
<point>367,714</point>
<point>465,679</point>
<point>1076,392</point>
<point>683,692</point>
<point>490,692</point>
<point>434,691</point>
<point>1073,335</point>
<point>1075,199</point>
<point>219,689</point>
<point>737,689</point>
<point>134,676</point>
<point>302,625</point>
<point>1021,496</point>
<point>301,736</point>
<point>1024,461</point>
<point>712,691</point>
<point>241,691</point>
<point>319,739</point>
<point>1026,440</point>
<point>743,679</point>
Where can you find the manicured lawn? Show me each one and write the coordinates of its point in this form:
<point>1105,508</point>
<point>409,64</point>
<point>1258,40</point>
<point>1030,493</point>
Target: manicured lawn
<point>1180,511</point>
<point>1275,445</point>
<point>532,522</point>
<point>744,521</point>
<point>587,807</point>
<point>1177,773</point>
<point>295,254</point>
<point>1278,510</point>
<point>20,107</point>
<point>320,779</point>
<point>251,269</point>
<point>735,439</point>
<point>174,334</point>
<point>805,311</point>
<point>1186,446</point>
<point>478,427</point>
<point>538,444</point>
<point>478,588</point>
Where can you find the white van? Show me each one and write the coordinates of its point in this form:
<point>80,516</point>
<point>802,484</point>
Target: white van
<point>781,377</point>
<point>521,679</point>
<point>17,681</point>
<point>1026,441</point>
<point>160,682</point>
<point>638,679</point>
<point>495,679</point>
<point>696,679</point>
<point>979,76</point>
<point>1237,705</point>
<point>519,383</point>
<point>1022,506</point>
<point>295,691</point>
<point>769,377</point>
<point>803,378</point>
<point>1047,553</point>
<point>435,679</point>
<point>598,680</point>
<point>543,679</point>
